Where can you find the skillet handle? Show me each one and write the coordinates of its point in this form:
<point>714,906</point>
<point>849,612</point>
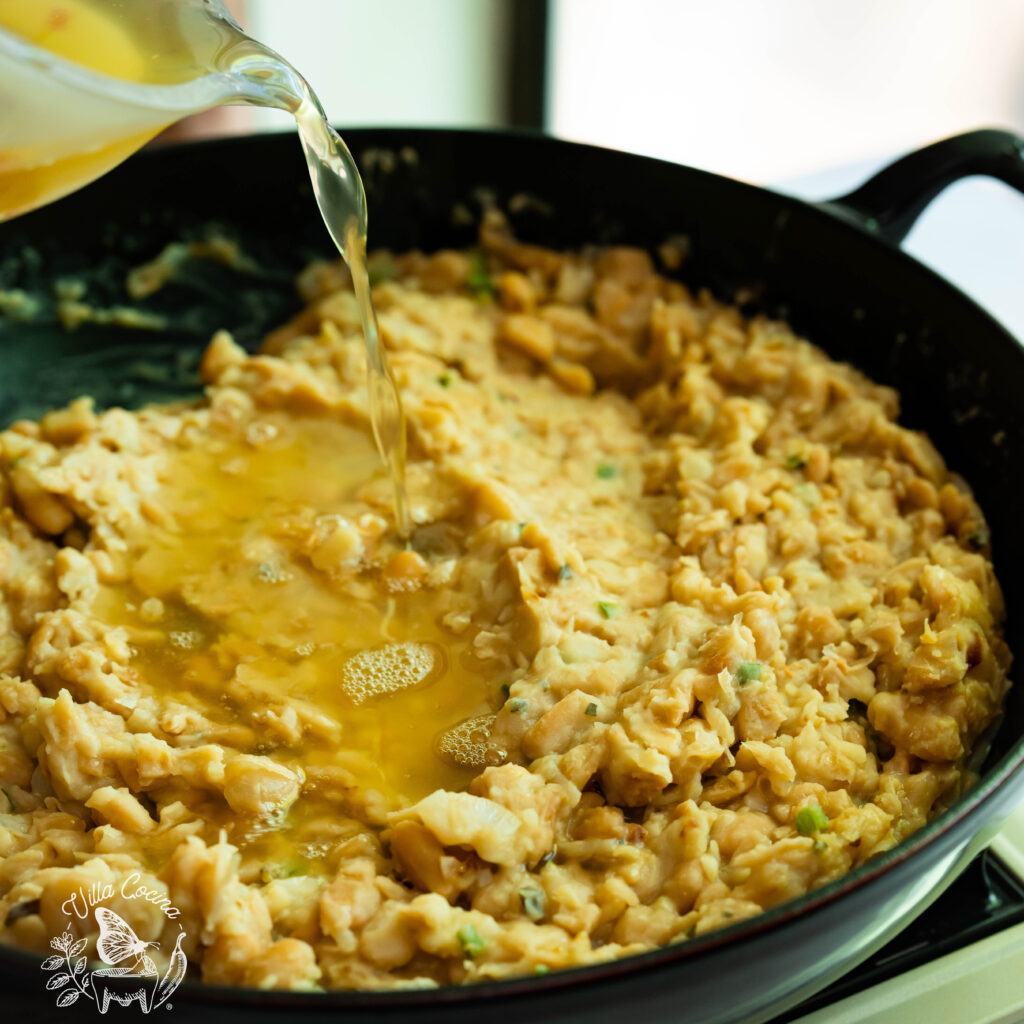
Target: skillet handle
<point>888,204</point>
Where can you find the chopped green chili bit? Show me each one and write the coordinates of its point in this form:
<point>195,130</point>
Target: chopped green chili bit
<point>608,609</point>
<point>747,672</point>
<point>795,462</point>
<point>479,277</point>
<point>810,819</point>
<point>541,969</point>
<point>517,704</point>
<point>978,537</point>
<point>564,573</point>
<point>591,709</point>
<point>534,901</point>
<point>294,867</point>
<point>444,379</point>
<point>606,471</point>
<point>469,941</point>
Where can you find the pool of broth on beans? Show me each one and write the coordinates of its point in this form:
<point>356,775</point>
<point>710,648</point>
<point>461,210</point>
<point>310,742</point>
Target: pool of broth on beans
<point>393,695</point>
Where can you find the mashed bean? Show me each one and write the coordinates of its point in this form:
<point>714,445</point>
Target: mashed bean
<point>688,626</point>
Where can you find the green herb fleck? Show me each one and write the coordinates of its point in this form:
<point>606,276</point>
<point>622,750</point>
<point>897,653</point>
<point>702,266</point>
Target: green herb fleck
<point>534,900</point>
<point>479,278</point>
<point>541,969</point>
<point>608,609</point>
<point>747,672</point>
<point>819,846</point>
<point>606,471</point>
<point>292,868</point>
<point>516,704</point>
<point>544,685</point>
<point>810,819</point>
<point>808,494</point>
<point>505,690</point>
<point>978,538</point>
<point>469,941</point>
<point>444,379</point>
<point>591,710</point>
<point>564,573</point>
<point>795,462</point>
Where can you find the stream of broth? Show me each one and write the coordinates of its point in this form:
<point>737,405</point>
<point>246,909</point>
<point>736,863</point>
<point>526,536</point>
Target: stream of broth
<point>339,194</point>
<point>295,637</point>
<point>154,42</point>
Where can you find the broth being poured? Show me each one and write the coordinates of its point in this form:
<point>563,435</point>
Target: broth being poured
<point>126,70</point>
<point>405,682</point>
<point>342,201</point>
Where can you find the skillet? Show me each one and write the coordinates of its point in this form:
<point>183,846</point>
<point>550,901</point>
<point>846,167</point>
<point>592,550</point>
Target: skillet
<point>834,270</point>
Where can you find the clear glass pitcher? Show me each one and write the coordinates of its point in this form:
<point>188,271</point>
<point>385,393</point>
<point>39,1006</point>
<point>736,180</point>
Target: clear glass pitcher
<point>84,83</point>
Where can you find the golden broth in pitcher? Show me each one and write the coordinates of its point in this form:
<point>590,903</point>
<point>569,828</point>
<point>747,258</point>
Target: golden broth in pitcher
<point>378,675</point>
<point>153,43</point>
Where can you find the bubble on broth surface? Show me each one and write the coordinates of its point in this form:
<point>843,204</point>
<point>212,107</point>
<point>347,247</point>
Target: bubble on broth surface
<point>387,669</point>
<point>466,744</point>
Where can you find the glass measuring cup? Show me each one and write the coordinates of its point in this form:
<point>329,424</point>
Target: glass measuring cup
<point>85,83</point>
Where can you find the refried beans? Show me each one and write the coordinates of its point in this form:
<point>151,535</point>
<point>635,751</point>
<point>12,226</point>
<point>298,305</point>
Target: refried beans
<point>687,626</point>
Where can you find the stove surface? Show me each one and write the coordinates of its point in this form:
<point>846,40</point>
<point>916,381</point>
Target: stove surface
<point>962,961</point>
<point>987,900</point>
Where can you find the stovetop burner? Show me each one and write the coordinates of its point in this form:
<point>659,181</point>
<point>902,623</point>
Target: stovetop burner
<point>985,899</point>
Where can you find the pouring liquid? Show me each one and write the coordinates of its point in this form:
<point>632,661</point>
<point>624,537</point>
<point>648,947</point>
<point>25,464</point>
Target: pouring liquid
<point>172,43</point>
<point>410,739</point>
<point>342,201</point>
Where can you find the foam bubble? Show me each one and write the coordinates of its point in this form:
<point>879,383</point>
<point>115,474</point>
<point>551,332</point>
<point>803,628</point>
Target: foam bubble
<point>466,744</point>
<point>387,669</point>
<point>186,639</point>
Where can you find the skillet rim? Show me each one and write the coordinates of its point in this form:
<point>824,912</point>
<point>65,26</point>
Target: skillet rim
<point>838,218</point>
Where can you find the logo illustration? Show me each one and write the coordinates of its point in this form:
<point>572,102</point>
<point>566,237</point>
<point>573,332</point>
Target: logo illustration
<point>124,955</point>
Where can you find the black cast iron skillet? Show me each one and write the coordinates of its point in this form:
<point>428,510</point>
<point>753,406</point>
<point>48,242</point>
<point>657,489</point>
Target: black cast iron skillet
<point>833,269</point>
